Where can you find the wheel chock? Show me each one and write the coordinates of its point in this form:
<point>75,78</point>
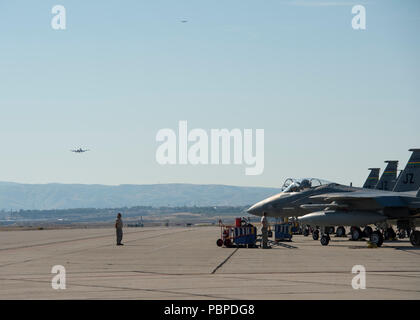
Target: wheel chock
<point>371,245</point>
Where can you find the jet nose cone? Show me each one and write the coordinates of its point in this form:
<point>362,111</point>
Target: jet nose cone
<point>256,209</point>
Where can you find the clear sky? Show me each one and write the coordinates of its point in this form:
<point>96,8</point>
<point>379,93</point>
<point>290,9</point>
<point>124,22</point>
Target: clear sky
<point>333,101</point>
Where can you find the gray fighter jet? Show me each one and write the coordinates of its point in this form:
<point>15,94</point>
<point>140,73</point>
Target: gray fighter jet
<point>361,208</point>
<point>342,205</point>
<point>389,176</point>
<point>294,200</point>
<point>372,179</point>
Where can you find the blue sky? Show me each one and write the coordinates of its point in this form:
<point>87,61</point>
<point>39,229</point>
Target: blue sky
<point>332,101</point>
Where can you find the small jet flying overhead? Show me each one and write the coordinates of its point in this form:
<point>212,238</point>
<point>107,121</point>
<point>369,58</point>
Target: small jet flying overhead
<point>80,150</point>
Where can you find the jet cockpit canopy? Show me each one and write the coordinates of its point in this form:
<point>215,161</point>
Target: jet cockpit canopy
<point>296,185</point>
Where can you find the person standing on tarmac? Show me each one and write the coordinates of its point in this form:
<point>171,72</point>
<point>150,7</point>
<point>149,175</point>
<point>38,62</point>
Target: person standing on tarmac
<point>119,227</point>
<point>264,230</point>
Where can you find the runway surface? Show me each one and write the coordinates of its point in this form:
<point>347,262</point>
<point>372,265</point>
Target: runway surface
<point>185,263</point>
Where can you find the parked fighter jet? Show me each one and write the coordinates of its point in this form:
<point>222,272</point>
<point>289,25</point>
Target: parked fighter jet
<point>364,207</point>
<point>389,176</point>
<point>295,200</point>
<point>372,179</point>
<point>80,150</point>
<point>386,182</point>
<point>361,208</point>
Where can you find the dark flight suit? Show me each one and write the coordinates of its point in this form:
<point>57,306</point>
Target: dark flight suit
<point>119,226</point>
<point>264,229</point>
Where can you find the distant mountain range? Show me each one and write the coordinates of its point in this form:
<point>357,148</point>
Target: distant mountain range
<point>65,196</point>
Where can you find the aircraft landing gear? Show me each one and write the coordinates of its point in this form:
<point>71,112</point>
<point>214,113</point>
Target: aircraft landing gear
<point>377,238</point>
<point>329,230</point>
<point>367,231</point>
<point>415,238</point>
<point>404,228</point>
<point>315,234</point>
<point>341,232</point>
<point>390,234</point>
<point>401,234</point>
<point>305,232</point>
<point>356,233</point>
<point>325,239</point>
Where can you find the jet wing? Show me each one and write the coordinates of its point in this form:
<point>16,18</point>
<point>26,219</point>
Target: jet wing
<point>368,194</point>
<point>323,206</point>
<point>368,200</point>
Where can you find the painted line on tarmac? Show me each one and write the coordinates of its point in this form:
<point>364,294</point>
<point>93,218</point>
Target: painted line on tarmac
<point>90,248</point>
<point>73,240</point>
<point>224,261</point>
<point>120,288</point>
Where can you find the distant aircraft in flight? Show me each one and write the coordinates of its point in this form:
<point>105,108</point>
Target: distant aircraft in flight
<point>80,150</point>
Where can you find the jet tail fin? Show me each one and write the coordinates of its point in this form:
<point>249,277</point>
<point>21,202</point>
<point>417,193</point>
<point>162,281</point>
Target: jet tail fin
<point>409,179</point>
<point>372,179</point>
<point>389,176</point>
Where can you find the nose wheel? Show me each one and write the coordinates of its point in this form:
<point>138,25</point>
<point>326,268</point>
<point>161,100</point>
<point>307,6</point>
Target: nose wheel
<point>377,238</point>
<point>325,240</point>
<point>315,235</point>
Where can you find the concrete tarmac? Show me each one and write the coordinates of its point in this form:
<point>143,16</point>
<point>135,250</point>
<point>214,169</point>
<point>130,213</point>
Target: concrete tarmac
<point>185,263</point>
